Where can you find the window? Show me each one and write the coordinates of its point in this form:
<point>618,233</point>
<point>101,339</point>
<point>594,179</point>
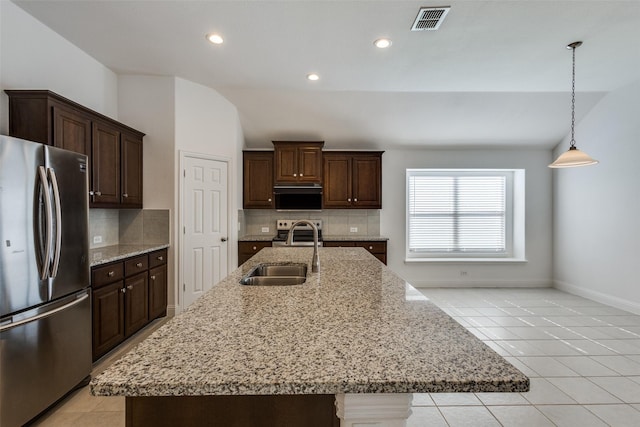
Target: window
<point>464,213</point>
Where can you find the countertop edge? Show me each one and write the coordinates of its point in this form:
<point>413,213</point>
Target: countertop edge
<point>107,254</point>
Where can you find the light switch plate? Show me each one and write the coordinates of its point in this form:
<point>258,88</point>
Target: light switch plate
<point>265,229</point>
<point>354,229</point>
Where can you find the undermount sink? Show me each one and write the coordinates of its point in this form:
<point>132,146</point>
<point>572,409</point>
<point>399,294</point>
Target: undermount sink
<point>276,275</point>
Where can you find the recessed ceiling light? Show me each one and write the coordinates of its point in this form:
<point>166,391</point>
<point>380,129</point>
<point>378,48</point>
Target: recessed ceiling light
<point>313,77</point>
<point>382,43</point>
<point>215,38</point>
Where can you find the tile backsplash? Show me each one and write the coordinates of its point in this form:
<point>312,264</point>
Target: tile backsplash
<point>109,227</point>
<point>335,221</point>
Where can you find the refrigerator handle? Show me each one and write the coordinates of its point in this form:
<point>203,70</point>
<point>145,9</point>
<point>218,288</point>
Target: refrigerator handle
<point>58,242</point>
<point>44,269</point>
<point>78,300</point>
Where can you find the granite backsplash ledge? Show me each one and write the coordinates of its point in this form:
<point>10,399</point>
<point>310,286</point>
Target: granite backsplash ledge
<point>108,227</point>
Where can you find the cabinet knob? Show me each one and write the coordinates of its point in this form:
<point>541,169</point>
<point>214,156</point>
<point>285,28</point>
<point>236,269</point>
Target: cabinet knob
<point>123,290</point>
<point>269,200</point>
<point>255,247</point>
<point>153,277</point>
<point>295,174</point>
<point>370,248</point>
<point>125,195</point>
<point>301,175</point>
<point>91,193</point>
<point>111,273</point>
<point>130,287</point>
<point>355,200</point>
<point>98,193</point>
<point>139,265</point>
<point>349,199</point>
<point>160,258</point>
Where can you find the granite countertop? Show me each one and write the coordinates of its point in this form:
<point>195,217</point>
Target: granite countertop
<point>107,254</point>
<point>256,238</point>
<point>354,327</point>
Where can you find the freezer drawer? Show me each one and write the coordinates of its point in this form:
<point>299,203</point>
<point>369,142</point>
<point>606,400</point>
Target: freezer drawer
<point>43,359</point>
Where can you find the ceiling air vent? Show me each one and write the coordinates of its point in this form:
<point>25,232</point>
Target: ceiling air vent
<point>430,18</point>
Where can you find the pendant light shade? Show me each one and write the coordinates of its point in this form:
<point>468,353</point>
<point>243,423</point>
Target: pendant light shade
<point>573,157</point>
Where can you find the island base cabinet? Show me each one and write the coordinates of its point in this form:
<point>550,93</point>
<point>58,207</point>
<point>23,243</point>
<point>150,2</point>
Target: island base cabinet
<point>310,410</point>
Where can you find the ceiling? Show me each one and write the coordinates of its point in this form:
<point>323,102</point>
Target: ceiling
<point>496,73</point>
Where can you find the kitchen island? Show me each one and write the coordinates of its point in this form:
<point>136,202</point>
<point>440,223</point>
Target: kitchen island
<point>355,334</point>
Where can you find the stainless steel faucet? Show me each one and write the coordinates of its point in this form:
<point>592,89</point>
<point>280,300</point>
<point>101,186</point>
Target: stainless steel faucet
<point>315,261</point>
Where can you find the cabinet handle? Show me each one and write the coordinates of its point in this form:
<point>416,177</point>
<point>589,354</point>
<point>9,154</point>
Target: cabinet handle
<point>111,273</point>
<point>160,258</point>
<point>125,195</point>
<point>130,287</point>
<point>153,277</point>
<point>98,193</point>
<point>139,265</point>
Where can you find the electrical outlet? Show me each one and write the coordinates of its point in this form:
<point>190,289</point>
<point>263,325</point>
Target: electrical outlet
<point>463,273</point>
<point>354,229</point>
<point>97,239</point>
<point>265,229</point>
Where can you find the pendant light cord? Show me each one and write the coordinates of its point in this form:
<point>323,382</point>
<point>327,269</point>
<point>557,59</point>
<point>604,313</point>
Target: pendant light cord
<point>573,98</point>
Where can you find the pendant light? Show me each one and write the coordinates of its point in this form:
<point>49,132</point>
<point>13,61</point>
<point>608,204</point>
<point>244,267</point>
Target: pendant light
<point>573,157</point>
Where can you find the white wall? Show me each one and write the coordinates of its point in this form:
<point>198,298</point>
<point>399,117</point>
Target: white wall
<point>32,56</point>
<point>538,212</point>
<point>596,208</point>
<point>207,123</point>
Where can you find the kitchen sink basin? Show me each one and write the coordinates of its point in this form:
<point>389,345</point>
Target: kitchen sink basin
<point>276,275</point>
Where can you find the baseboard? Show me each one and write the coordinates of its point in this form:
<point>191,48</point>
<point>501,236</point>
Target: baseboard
<point>172,310</point>
<point>622,304</point>
<point>483,284</point>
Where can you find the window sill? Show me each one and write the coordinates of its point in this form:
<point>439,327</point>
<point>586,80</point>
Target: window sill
<point>465,260</point>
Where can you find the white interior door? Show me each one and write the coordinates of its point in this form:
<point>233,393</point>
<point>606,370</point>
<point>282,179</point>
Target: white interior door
<point>204,218</point>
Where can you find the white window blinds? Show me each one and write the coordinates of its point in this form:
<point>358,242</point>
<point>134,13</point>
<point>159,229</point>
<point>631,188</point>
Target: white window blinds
<point>456,212</point>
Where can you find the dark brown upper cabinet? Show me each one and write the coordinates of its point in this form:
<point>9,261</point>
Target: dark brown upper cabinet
<point>257,171</point>
<point>114,149</point>
<point>297,162</point>
<point>352,180</point>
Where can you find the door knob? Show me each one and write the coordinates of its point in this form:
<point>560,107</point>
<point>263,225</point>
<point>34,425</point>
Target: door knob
<point>223,239</point>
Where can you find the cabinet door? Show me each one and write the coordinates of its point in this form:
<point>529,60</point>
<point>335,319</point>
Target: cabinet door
<point>105,165</point>
<point>286,163</point>
<point>131,171</point>
<point>310,164</point>
<point>248,249</point>
<point>336,192</point>
<point>158,292</point>
<point>108,318</point>
<point>367,181</point>
<point>71,130</point>
<point>257,180</point>
<point>136,313</point>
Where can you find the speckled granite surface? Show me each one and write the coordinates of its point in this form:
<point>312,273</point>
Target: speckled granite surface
<point>256,238</point>
<point>114,253</point>
<point>355,327</point>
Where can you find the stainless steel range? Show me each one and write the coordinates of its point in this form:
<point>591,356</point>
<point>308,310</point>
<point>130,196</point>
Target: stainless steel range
<point>303,235</point>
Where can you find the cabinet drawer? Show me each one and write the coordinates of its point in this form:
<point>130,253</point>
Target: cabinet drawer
<point>373,247</point>
<point>136,265</point>
<point>252,247</point>
<point>109,273</point>
<point>157,258</point>
<point>338,244</point>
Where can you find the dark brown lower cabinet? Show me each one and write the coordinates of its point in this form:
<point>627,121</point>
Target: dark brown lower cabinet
<point>127,295</point>
<point>158,292</point>
<point>377,248</point>
<point>136,300</point>
<point>108,318</point>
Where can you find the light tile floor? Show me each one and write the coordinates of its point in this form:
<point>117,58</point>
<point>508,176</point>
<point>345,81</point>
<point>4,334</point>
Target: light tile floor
<point>583,359</point>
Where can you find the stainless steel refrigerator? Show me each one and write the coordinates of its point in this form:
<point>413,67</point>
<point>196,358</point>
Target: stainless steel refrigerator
<point>45,310</point>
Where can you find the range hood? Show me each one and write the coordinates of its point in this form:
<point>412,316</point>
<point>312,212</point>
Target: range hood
<point>298,197</point>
